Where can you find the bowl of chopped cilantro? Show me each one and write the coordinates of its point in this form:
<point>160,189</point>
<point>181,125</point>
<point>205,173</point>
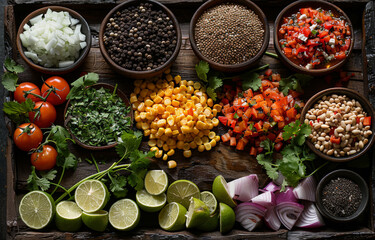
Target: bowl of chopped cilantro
<point>97,113</point>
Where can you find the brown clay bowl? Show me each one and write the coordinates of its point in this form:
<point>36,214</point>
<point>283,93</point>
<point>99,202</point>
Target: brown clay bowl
<point>140,74</point>
<point>353,95</point>
<point>98,86</point>
<point>85,29</point>
<point>350,175</point>
<point>234,67</point>
<point>294,8</point>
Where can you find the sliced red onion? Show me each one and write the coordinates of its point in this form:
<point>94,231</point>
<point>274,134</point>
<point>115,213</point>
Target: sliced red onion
<point>250,215</point>
<point>271,219</point>
<point>306,189</point>
<point>286,196</point>
<point>310,217</point>
<point>288,213</point>
<point>266,199</point>
<point>245,188</point>
<point>271,187</point>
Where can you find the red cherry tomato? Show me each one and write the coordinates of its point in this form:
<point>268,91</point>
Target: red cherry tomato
<point>45,116</point>
<point>27,136</point>
<point>19,94</point>
<point>60,89</point>
<point>44,160</point>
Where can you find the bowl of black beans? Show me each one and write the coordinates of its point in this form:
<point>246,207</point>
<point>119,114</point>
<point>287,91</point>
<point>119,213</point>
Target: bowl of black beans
<point>140,38</point>
<point>231,35</point>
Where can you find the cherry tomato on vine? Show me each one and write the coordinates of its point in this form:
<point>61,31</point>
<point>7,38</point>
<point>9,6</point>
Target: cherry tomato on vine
<point>19,94</point>
<point>45,159</point>
<point>45,116</point>
<point>60,89</point>
<point>27,136</point>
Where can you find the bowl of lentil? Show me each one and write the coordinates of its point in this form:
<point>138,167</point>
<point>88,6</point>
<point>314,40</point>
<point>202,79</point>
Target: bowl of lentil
<point>231,35</point>
<point>61,42</point>
<point>313,37</point>
<point>342,196</point>
<point>98,117</point>
<point>140,39</point>
<point>342,124</point>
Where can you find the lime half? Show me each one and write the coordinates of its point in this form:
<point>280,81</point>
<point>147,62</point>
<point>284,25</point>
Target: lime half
<point>198,213</point>
<point>68,216</point>
<point>156,182</point>
<point>91,196</point>
<point>96,221</point>
<point>150,203</point>
<point>181,191</point>
<point>227,218</point>
<point>124,215</point>
<point>220,190</point>
<point>37,209</point>
<point>209,199</point>
<point>172,217</point>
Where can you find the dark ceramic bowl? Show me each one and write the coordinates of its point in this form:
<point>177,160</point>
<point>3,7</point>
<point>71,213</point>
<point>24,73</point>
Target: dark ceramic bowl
<point>98,86</point>
<point>294,8</point>
<point>353,95</point>
<point>85,29</point>
<point>235,67</point>
<point>140,74</point>
<point>342,173</point>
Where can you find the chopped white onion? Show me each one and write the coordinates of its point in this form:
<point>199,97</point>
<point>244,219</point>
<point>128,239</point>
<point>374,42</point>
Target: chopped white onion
<point>288,213</point>
<point>54,39</point>
<point>306,189</point>
<point>271,187</point>
<point>250,215</point>
<point>266,199</point>
<point>245,188</point>
<point>310,217</point>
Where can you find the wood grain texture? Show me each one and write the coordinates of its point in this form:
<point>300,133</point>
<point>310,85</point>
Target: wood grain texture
<point>202,167</point>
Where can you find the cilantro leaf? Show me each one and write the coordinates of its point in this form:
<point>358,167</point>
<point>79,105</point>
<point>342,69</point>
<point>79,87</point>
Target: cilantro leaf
<point>79,85</point>
<point>18,112</point>
<point>202,69</point>
<point>9,81</point>
<point>211,93</point>
<point>64,158</point>
<point>35,183</point>
<point>266,162</point>
<point>12,66</point>
<point>130,142</point>
<point>294,82</point>
<point>215,82</point>
<point>118,185</point>
<point>49,175</point>
<point>268,146</point>
<point>252,81</point>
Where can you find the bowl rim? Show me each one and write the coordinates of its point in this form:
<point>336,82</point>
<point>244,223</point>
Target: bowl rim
<point>234,67</point>
<point>365,105</point>
<point>120,94</point>
<point>152,71</point>
<point>351,175</point>
<point>296,67</point>
<point>54,70</point>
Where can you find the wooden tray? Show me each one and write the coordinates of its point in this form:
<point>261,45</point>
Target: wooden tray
<point>202,167</point>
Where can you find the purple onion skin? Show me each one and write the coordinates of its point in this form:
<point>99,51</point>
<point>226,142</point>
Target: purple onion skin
<point>286,196</point>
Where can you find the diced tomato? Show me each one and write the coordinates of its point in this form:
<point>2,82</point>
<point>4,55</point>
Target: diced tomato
<point>253,151</point>
<point>258,126</point>
<point>327,25</point>
<point>225,137</point>
<point>242,125</point>
<point>223,120</point>
<point>260,149</point>
<point>278,146</point>
<point>306,31</point>
<point>240,144</point>
<point>304,11</point>
<point>268,72</point>
<point>279,137</point>
<point>266,84</point>
<point>367,121</point>
<point>291,113</point>
<point>233,141</point>
<point>191,111</point>
<point>237,129</point>
<point>232,123</point>
<point>335,140</point>
<point>340,56</point>
<point>322,34</point>
<point>271,136</point>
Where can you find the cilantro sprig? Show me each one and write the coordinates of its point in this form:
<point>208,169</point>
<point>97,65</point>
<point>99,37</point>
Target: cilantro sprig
<point>209,78</point>
<point>294,155</point>
<point>10,77</point>
<point>294,82</point>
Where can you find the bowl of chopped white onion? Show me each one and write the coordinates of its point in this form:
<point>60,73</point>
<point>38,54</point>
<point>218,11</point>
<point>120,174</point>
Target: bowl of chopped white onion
<point>54,40</point>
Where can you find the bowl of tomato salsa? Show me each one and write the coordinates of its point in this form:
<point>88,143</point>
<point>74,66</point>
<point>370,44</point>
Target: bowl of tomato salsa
<point>313,37</point>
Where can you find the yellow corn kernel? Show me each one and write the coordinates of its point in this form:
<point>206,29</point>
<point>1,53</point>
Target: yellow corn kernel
<point>180,144</point>
<point>175,103</point>
<point>203,100</point>
<point>205,139</point>
<point>152,143</point>
<point>138,118</point>
<point>190,90</point>
<point>207,146</point>
<point>210,126</point>
<point>171,142</point>
<point>159,143</point>
<point>142,115</point>
<point>207,112</point>
<point>213,143</point>
<point>200,134</point>
<point>183,82</point>
<point>161,123</point>
<point>165,157</point>
<point>200,125</point>
<point>218,107</point>
<point>154,149</point>
<point>190,83</point>
<point>193,145</point>
<point>165,147</point>
<point>153,95</point>
<point>170,152</point>
<point>147,132</point>
<point>186,146</point>
<point>206,132</point>
<point>217,138</point>
<point>151,86</point>
<point>154,131</point>
<point>143,93</point>
<point>173,146</point>
<point>138,125</point>
<point>161,93</point>
<point>133,99</point>
<point>169,77</point>
<point>172,164</point>
<point>149,103</point>
<point>211,135</point>
<point>175,132</point>
<point>180,137</point>
<point>158,99</point>
<point>210,103</point>
<point>164,138</point>
<point>141,107</point>
<point>170,109</point>
<point>161,109</point>
<point>201,148</point>
<point>185,129</point>
<point>214,112</point>
<point>168,132</point>
<point>167,71</point>
<point>137,83</point>
<point>167,101</point>
<point>197,85</point>
<point>198,140</point>
<point>152,136</point>
<point>176,90</point>
<point>215,122</point>
<point>165,115</point>
<point>187,153</point>
<point>145,125</point>
<point>183,88</point>
<point>143,85</point>
<point>177,79</point>
<point>160,132</point>
<point>159,154</point>
<point>195,130</point>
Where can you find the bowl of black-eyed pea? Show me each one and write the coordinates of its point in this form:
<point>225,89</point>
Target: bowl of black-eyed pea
<point>231,35</point>
<point>342,124</point>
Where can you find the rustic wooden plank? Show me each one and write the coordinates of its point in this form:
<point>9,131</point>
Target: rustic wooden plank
<point>363,233</point>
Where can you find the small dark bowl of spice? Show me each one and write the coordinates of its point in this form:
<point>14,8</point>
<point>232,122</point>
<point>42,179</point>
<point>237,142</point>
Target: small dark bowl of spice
<point>231,35</point>
<point>342,196</point>
<point>140,38</point>
<point>98,116</point>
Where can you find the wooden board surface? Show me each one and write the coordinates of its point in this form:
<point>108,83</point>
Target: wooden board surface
<point>202,167</point>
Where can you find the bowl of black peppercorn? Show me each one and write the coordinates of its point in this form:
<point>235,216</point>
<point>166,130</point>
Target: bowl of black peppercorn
<point>140,38</point>
<point>231,35</point>
<point>342,196</point>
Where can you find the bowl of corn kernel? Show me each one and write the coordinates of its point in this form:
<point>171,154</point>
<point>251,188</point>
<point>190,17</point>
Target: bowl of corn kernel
<point>175,114</point>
